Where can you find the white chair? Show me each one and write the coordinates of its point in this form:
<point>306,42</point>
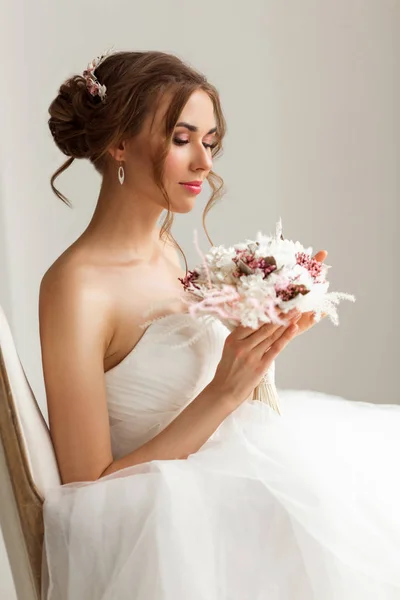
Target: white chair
<point>28,467</point>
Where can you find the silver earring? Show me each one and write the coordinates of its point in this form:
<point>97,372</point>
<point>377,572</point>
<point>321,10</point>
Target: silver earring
<point>121,174</point>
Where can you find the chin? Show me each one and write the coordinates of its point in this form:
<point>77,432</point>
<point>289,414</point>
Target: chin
<point>182,206</point>
<point>180,203</point>
<point>182,209</point>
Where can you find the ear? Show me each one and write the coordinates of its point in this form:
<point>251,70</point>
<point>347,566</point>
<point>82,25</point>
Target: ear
<point>118,152</point>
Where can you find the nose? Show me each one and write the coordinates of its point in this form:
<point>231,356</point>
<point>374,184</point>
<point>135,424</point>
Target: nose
<point>202,160</point>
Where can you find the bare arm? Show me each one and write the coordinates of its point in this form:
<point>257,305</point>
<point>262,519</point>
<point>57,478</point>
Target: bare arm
<point>185,434</point>
<point>75,332</point>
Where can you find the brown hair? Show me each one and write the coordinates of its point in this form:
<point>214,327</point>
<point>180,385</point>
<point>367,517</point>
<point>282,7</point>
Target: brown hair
<point>84,126</point>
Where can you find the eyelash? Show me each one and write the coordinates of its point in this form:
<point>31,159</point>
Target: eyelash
<point>183,142</point>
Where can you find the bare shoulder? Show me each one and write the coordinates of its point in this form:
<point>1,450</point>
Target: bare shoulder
<point>70,289</point>
<point>106,300</point>
<point>67,274</point>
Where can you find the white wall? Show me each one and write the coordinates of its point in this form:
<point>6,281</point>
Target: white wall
<point>311,93</point>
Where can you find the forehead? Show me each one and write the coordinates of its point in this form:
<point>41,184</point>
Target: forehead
<point>198,111</point>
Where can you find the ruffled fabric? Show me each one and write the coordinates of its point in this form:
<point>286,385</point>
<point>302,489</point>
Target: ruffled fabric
<point>303,506</point>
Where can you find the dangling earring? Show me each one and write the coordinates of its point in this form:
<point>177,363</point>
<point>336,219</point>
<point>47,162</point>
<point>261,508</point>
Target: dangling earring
<point>121,174</point>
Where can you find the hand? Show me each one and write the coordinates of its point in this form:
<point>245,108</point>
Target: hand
<point>248,354</point>
<point>307,319</point>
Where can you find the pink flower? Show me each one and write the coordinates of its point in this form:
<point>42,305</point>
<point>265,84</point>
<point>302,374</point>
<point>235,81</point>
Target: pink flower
<point>314,267</point>
<point>189,280</point>
<point>291,291</point>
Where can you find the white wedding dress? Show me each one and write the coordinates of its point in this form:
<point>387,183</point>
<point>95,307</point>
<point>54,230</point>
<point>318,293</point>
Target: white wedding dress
<point>303,506</point>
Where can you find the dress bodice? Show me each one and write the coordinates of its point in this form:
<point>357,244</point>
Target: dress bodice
<point>173,361</point>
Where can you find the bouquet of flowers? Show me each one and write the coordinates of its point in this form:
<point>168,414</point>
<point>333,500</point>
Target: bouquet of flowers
<point>251,283</point>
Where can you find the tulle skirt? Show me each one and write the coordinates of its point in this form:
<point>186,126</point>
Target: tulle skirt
<point>303,506</point>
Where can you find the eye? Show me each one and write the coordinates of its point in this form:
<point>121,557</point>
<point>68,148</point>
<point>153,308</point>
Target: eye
<point>179,142</point>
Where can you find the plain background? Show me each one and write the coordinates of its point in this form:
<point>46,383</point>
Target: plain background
<point>311,92</point>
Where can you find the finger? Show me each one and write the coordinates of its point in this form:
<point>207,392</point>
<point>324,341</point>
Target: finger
<point>321,255</point>
<point>295,312</point>
<point>312,319</point>
<point>253,336</point>
<point>242,333</point>
<point>323,315</point>
<point>262,347</point>
<point>279,345</point>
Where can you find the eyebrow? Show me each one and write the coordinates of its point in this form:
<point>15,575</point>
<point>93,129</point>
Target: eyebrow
<point>194,128</point>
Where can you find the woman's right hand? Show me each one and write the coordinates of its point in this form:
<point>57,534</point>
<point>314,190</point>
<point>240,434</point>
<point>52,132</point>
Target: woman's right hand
<point>248,354</point>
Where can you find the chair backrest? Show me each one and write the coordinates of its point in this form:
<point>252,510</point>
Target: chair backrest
<point>29,468</point>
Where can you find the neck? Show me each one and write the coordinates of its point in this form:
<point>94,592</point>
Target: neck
<point>125,222</point>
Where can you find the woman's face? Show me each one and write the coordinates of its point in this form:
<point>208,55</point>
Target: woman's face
<point>189,158</point>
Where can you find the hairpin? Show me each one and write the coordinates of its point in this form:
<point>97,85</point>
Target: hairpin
<point>92,83</point>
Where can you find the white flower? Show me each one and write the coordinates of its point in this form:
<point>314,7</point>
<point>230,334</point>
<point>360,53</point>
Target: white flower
<point>221,257</point>
<point>102,91</point>
<point>301,276</point>
<point>242,246</point>
<point>253,299</point>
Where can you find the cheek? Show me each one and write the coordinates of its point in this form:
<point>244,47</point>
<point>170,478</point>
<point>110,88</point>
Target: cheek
<point>174,163</point>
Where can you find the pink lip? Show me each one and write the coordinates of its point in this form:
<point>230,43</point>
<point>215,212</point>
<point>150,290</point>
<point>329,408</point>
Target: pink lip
<point>194,187</point>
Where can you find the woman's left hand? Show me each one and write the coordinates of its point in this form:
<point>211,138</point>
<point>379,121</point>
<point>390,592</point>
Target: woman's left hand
<point>307,319</point>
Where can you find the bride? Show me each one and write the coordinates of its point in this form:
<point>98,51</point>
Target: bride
<point>177,486</point>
